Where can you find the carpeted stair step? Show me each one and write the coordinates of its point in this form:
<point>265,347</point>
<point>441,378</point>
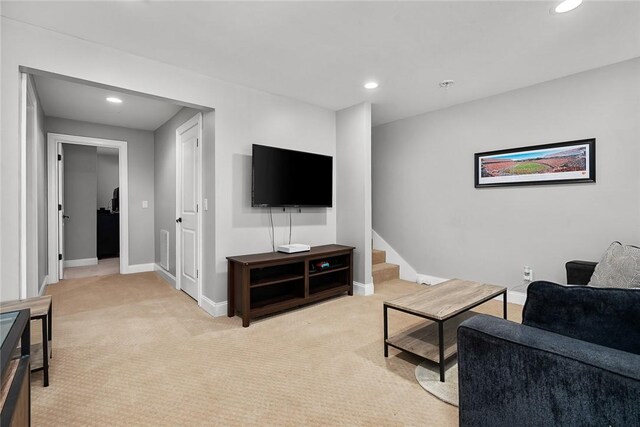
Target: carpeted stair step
<point>379,256</point>
<point>383,272</point>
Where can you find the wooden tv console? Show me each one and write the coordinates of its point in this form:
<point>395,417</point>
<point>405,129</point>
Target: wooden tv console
<point>262,284</point>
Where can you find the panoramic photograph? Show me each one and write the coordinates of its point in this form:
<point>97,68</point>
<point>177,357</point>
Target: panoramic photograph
<point>549,161</point>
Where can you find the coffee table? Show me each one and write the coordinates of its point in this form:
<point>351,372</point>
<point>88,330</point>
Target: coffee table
<point>449,302</point>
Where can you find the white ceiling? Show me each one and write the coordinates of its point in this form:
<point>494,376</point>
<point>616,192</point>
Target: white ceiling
<point>322,52</point>
<point>67,100</point>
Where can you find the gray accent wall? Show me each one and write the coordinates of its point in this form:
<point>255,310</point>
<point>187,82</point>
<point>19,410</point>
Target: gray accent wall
<point>140,171</point>
<point>353,189</point>
<point>80,183</point>
<point>165,181</point>
<point>426,207</point>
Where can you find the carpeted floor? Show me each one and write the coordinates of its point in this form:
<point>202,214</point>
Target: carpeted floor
<point>131,350</point>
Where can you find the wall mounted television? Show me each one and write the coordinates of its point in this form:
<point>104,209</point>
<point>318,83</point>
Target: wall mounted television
<point>288,178</point>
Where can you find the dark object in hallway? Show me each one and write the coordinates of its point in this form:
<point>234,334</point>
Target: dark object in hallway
<point>108,241</point>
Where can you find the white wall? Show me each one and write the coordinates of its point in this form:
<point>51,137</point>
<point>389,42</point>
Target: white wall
<point>243,116</point>
<point>353,164</point>
<point>140,154</point>
<point>426,207</point>
<point>80,183</point>
<point>107,169</point>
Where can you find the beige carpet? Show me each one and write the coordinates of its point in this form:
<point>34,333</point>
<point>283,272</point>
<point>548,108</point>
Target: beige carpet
<point>131,350</point>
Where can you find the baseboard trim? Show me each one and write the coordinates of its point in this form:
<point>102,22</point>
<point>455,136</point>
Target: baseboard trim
<point>516,297</point>
<point>364,289</point>
<point>215,309</point>
<point>43,285</point>
<point>513,297</point>
<point>425,279</point>
<point>140,268</point>
<point>80,262</point>
<point>168,277</point>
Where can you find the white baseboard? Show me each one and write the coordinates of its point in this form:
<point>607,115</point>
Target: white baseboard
<point>80,262</point>
<point>168,277</point>
<point>364,289</point>
<point>43,286</point>
<point>429,280</point>
<point>216,309</point>
<point>516,297</point>
<point>513,297</point>
<point>140,268</point>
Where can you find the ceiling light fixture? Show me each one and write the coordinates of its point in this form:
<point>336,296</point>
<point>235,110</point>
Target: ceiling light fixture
<point>370,85</point>
<point>114,100</point>
<point>567,6</point>
<point>446,83</point>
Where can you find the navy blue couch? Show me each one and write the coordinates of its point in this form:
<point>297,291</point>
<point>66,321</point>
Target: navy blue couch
<point>574,361</point>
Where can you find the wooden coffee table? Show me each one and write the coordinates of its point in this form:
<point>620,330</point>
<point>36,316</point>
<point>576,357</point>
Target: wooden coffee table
<point>449,302</point>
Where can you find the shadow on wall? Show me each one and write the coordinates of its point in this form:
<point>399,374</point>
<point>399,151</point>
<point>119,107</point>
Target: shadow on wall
<point>246,216</point>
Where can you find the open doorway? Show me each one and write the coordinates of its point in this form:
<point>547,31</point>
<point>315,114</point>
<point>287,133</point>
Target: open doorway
<point>91,211</point>
<point>85,224</point>
<point>144,131</point>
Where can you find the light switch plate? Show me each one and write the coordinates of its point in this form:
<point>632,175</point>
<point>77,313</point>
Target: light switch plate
<point>145,204</point>
<point>206,204</point>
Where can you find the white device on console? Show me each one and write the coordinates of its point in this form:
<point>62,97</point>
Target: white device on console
<point>293,248</point>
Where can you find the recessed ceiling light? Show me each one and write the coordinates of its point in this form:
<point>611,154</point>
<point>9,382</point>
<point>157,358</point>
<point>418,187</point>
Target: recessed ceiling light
<point>371,85</point>
<point>114,100</point>
<point>446,83</point>
<point>567,6</point>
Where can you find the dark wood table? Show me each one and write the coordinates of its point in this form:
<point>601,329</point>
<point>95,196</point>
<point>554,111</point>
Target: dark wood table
<point>41,309</point>
<point>449,302</point>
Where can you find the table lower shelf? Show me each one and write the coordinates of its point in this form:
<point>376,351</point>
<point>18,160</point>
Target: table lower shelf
<point>422,340</point>
<point>35,355</point>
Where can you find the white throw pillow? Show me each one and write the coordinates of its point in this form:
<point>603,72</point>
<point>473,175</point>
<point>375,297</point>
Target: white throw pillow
<point>619,268</point>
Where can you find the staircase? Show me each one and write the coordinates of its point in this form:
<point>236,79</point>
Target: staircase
<point>382,270</point>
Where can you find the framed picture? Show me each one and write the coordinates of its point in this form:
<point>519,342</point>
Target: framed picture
<point>559,163</point>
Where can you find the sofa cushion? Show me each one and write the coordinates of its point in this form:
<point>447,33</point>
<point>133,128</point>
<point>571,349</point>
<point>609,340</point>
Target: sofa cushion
<point>604,316</point>
<point>619,268</point>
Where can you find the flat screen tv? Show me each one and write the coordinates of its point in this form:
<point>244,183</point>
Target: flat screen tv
<point>283,178</point>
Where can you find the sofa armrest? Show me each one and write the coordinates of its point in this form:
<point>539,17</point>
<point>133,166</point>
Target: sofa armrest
<point>511,373</point>
<point>580,272</point>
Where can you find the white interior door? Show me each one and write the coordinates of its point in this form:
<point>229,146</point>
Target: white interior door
<point>187,206</point>
<point>61,216</point>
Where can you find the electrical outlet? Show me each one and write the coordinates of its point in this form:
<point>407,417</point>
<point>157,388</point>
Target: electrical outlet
<point>527,274</point>
<point>145,204</point>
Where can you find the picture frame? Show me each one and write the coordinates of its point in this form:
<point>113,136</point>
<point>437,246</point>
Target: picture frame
<point>569,162</point>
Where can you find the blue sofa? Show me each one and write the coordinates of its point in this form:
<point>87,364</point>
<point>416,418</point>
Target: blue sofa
<point>574,360</point>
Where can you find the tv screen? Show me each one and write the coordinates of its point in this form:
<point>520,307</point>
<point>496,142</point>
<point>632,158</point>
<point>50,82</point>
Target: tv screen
<point>290,178</point>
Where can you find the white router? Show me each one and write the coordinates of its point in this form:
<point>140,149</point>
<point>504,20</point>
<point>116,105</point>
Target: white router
<point>293,248</point>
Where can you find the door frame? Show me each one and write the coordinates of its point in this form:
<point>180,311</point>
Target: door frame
<point>194,121</point>
<point>53,139</point>
<point>28,218</point>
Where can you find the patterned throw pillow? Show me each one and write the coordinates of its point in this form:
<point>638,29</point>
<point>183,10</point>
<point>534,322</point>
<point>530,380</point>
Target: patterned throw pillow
<point>619,268</point>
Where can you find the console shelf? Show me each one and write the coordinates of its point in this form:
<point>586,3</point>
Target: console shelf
<point>267,283</point>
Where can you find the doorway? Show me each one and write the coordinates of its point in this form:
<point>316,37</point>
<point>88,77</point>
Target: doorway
<point>57,215</point>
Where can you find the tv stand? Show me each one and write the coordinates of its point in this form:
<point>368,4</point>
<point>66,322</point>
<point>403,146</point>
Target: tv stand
<point>267,283</point>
